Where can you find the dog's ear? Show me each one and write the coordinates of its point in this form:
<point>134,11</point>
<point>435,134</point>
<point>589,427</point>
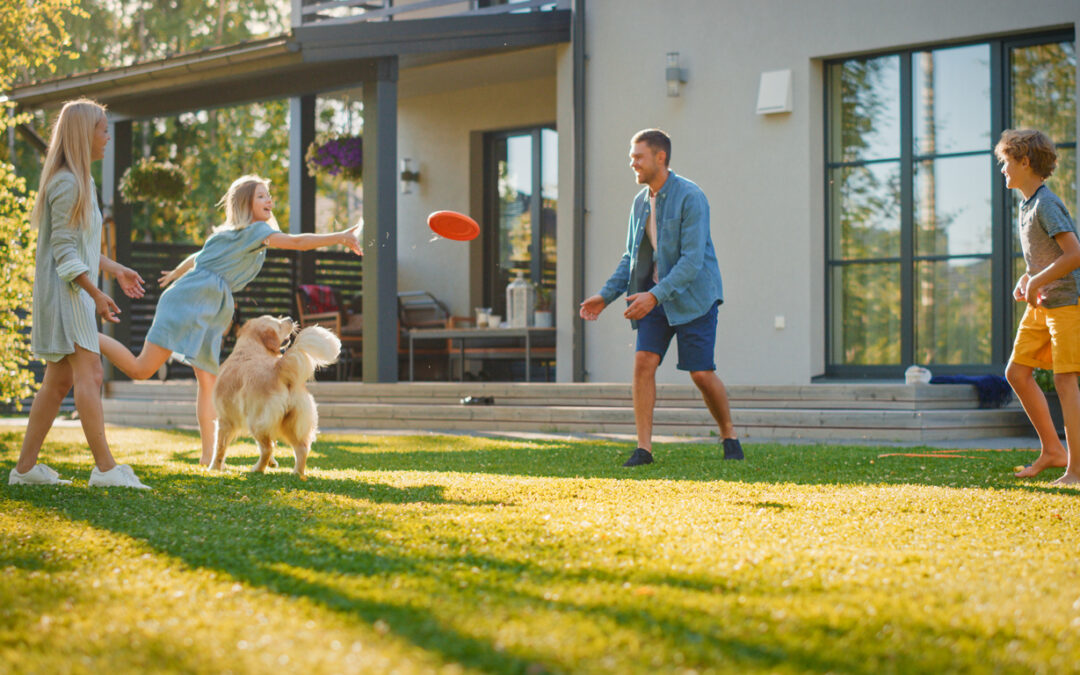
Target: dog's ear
<point>269,337</point>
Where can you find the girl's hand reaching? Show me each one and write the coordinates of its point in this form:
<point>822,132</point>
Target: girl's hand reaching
<point>166,278</point>
<point>351,239</point>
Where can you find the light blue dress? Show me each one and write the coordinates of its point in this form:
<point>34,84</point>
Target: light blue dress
<point>195,311</point>
<point>64,314</point>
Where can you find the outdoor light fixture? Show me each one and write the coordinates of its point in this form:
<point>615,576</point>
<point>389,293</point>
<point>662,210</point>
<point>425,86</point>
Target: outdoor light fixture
<point>674,74</point>
<point>409,178</point>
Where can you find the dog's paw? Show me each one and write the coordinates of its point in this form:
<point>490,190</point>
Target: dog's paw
<point>272,463</point>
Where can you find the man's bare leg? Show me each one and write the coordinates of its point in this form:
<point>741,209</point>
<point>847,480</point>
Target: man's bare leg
<point>644,392</point>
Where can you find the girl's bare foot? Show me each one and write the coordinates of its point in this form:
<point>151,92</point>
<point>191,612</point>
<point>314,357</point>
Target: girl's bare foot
<point>1046,460</point>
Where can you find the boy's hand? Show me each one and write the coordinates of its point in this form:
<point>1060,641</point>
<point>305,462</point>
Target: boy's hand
<point>1032,293</point>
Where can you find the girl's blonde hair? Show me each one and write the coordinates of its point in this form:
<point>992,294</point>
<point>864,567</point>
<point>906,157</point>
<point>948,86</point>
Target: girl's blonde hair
<point>237,203</point>
<point>70,147</point>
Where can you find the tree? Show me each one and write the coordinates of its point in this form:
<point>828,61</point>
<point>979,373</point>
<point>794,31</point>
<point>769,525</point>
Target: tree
<point>33,37</point>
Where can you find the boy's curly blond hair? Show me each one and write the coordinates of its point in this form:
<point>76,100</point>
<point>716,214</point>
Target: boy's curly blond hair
<point>1030,143</point>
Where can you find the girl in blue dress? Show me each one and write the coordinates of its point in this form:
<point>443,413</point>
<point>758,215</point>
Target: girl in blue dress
<point>194,313</point>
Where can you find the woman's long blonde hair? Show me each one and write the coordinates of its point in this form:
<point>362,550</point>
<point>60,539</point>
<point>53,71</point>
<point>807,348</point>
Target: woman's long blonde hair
<point>237,203</point>
<point>70,146</point>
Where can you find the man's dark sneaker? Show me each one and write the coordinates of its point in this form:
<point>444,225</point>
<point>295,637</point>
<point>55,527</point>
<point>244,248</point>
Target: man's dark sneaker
<point>640,456</point>
<point>732,449</point>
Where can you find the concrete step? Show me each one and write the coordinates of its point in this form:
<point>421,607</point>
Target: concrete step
<point>818,396</point>
<point>437,408</point>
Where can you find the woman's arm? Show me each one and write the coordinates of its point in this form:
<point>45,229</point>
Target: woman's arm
<point>349,238</point>
<point>130,281</point>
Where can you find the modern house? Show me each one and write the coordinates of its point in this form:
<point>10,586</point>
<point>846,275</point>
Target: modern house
<point>845,146</point>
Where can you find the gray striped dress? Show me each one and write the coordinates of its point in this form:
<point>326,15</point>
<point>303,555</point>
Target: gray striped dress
<point>64,313</point>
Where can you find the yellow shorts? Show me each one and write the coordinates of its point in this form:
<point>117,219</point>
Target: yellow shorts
<point>1049,338</point>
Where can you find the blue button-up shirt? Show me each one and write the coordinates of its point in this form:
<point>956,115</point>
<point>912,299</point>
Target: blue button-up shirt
<point>686,265</point>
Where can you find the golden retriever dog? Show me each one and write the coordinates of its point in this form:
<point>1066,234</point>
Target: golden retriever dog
<point>263,390</point>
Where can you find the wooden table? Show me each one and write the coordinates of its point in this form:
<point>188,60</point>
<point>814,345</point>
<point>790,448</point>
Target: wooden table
<point>463,334</point>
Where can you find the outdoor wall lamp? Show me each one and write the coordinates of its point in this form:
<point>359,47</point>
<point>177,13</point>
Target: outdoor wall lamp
<point>409,178</point>
<point>674,74</point>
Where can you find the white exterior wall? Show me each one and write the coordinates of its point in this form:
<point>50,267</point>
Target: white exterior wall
<point>763,175</point>
<point>435,130</point>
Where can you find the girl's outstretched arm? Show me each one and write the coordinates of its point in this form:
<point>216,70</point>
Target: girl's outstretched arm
<point>349,238</point>
<point>169,276</point>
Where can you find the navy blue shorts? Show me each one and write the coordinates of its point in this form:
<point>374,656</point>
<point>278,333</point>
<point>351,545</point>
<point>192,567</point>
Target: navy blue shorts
<point>697,339</point>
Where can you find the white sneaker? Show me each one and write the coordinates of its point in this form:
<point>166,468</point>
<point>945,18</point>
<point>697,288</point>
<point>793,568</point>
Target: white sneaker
<point>39,474</point>
<point>120,475</point>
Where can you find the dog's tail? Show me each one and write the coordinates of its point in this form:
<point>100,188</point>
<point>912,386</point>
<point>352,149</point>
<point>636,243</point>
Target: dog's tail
<point>313,348</point>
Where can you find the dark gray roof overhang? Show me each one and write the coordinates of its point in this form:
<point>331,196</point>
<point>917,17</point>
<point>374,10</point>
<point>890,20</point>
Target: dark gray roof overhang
<point>312,59</point>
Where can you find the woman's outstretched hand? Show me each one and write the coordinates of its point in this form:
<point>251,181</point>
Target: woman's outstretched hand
<point>130,282</point>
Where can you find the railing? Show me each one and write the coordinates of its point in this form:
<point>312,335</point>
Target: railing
<point>329,12</point>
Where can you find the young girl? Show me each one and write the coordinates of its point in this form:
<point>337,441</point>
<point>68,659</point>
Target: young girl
<point>67,300</point>
<point>194,313</point>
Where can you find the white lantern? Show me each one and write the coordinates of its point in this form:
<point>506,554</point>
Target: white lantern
<point>520,301</point>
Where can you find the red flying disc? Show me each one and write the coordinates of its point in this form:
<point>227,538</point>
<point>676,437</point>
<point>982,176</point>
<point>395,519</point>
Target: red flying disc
<point>453,225</point>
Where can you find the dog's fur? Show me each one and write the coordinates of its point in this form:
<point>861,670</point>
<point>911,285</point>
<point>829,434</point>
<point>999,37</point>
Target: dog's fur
<point>262,389</point>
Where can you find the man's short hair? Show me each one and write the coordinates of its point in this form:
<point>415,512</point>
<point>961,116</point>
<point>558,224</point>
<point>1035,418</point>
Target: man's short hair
<point>1030,143</point>
<point>655,139</point>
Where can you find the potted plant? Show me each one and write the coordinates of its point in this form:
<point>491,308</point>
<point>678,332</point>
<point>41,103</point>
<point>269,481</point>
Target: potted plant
<point>1045,380</point>
<point>542,316</point>
<point>152,180</point>
<point>336,155</point>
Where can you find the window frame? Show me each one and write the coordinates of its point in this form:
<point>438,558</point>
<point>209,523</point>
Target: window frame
<point>1002,254</point>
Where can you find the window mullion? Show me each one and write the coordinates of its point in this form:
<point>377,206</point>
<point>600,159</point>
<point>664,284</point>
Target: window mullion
<point>907,214</point>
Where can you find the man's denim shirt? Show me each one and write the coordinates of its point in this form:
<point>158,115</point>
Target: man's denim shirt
<point>686,265</point>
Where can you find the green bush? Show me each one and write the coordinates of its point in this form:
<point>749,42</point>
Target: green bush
<point>151,180</point>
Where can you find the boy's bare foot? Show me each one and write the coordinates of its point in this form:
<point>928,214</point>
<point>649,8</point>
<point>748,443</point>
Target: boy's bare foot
<point>1046,460</point>
<point>1067,479</point>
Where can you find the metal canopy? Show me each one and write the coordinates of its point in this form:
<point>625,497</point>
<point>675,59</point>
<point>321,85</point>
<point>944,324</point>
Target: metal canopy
<point>298,64</point>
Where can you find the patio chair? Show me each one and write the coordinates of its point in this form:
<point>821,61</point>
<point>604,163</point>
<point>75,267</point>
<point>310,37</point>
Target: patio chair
<point>318,305</point>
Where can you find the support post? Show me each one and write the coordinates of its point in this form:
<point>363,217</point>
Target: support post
<point>118,155</point>
<point>380,222</point>
<point>301,185</point>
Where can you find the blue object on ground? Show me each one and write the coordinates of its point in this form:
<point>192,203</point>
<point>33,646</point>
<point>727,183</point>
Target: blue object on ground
<point>994,390</point>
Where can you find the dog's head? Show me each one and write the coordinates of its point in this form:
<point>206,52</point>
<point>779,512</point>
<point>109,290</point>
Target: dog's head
<point>268,331</point>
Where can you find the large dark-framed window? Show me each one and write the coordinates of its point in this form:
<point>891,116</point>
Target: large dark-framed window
<point>921,248</point>
<point>521,196</point>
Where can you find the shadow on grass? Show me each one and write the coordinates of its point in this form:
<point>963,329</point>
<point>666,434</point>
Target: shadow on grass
<point>765,462</point>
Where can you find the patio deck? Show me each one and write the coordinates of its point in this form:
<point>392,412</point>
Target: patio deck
<point>816,412</point>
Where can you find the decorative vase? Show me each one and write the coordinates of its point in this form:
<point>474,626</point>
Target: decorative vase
<point>542,318</point>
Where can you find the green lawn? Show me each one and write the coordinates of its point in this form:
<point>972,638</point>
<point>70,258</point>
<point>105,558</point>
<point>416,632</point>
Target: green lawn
<point>460,554</point>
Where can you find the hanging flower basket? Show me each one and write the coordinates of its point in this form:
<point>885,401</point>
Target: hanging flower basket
<point>335,155</point>
<point>150,180</point>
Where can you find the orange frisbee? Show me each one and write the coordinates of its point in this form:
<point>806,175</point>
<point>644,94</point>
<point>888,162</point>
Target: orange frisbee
<point>453,225</point>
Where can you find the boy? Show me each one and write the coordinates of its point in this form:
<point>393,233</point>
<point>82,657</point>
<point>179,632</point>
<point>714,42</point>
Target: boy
<point>1049,333</point>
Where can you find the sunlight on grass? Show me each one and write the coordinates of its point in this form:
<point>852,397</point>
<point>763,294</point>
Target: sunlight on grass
<point>462,554</point>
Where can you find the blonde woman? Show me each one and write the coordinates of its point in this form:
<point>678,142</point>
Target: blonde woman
<point>194,313</point>
<point>67,301</point>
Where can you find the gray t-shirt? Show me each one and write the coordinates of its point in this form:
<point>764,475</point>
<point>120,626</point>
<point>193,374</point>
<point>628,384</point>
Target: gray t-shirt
<point>1041,217</point>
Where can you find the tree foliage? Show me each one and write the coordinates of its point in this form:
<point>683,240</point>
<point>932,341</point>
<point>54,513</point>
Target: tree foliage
<point>33,37</point>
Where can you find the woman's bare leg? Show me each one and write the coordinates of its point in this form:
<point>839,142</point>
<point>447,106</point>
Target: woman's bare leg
<point>55,385</point>
<point>88,374</point>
